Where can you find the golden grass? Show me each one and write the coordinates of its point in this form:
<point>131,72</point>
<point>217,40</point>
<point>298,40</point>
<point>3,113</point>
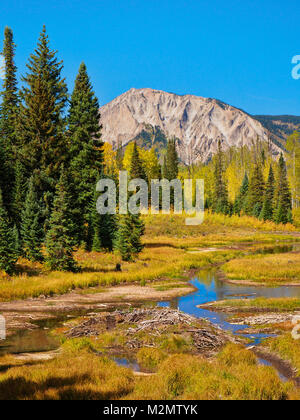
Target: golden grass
<point>287,348</point>
<point>167,237</point>
<point>174,225</point>
<point>233,375</point>
<point>98,270</point>
<point>273,304</point>
<point>87,377</point>
<point>275,268</point>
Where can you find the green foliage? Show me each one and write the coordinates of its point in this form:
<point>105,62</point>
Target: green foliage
<point>254,202</point>
<point>85,154</point>
<point>240,200</point>
<point>171,161</point>
<point>128,238</point>
<point>137,170</point>
<point>8,255</point>
<point>220,197</point>
<point>41,123</point>
<point>31,228</point>
<point>59,241</point>
<point>283,201</point>
<point>267,210</point>
<point>8,114</point>
<point>104,228</point>
<point>17,241</point>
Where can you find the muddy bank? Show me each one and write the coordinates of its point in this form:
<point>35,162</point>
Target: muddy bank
<point>284,367</point>
<point>23,314</point>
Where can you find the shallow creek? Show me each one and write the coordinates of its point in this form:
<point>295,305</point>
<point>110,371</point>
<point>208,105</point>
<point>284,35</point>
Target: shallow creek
<point>207,289</point>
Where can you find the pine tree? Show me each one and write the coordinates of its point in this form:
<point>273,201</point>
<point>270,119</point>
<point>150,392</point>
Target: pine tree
<point>17,241</point>
<point>41,124</point>
<point>171,161</point>
<point>283,201</point>
<point>8,115</point>
<point>267,210</point>
<point>137,170</point>
<point>220,197</point>
<point>18,193</point>
<point>128,238</point>
<point>86,147</point>
<point>8,255</point>
<point>119,157</point>
<point>59,239</point>
<point>241,198</point>
<point>255,196</point>
<point>31,228</point>
<point>104,228</point>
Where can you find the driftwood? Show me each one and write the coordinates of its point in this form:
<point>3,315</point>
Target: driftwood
<point>155,322</point>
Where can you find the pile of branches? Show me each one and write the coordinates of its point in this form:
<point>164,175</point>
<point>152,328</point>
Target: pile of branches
<point>154,321</point>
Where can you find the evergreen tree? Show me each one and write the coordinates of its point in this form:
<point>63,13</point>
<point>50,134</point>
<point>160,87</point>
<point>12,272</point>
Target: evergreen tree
<point>128,238</point>
<point>18,193</point>
<point>137,170</point>
<point>220,197</point>
<point>31,228</point>
<point>59,239</point>
<point>104,228</point>
<point>8,255</point>
<point>267,210</point>
<point>171,161</point>
<point>241,198</point>
<point>86,147</point>
<point>283,206</point>
<point>17,241</point>
<point>8,115</point>
<point>41,124</point>
<point>119,157</point>
<point>255,196</point>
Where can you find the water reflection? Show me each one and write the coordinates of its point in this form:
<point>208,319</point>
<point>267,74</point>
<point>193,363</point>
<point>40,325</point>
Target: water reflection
<point>210,289</point>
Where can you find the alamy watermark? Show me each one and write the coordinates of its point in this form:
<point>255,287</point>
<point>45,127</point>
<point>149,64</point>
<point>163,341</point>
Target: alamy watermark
<point>296,68</point>
<point>134,197</point>
<point>296,329</point>
<point>2,328</point>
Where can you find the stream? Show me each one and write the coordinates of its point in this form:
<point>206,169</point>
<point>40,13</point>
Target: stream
<point>207,289</point>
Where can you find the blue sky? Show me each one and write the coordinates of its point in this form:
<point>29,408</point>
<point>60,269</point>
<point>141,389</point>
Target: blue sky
<point>236,51</point>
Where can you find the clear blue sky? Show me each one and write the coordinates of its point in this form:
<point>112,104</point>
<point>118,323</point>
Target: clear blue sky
<point>236,51</point>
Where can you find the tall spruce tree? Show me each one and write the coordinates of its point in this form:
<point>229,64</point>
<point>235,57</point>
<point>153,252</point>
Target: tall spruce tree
<point>8,114</point>
<point>283,200</point>
<point>86,147</point>
<point>8,254</point>
<point>59,239</point>
<point>41,124</point>
<point>255,198</point>
<point>128,238</point>
<point>171,161</point>
<point>18,193</point>
<point>267,210</point>
<point>220,196</point>
<point>137,170</point>
<point>104,228</point>
<point>31,228</point>
<point>240,200</point>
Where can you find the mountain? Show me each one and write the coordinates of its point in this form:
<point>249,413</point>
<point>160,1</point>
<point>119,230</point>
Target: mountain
<point>280,126</point>
<point>151,116</point>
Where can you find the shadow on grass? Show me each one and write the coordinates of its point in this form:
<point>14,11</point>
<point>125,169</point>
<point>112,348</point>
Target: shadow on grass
<point>75,387</point>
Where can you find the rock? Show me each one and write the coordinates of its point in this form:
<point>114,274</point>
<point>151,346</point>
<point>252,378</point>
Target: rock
<point>197,122</point>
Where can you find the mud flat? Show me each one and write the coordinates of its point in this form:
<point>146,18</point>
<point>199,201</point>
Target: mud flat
<point>23,314</point>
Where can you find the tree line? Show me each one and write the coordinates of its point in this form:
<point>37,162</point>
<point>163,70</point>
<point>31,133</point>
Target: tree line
<point>51,157</point>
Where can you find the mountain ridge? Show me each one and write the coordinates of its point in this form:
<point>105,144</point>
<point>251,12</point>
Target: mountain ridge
<point>196,122</point>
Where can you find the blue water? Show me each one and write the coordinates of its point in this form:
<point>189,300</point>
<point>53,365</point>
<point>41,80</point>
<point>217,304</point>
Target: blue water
<point>209,289</point>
